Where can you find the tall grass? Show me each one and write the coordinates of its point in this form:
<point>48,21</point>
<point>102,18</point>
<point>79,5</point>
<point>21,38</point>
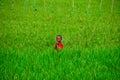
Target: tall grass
<point>27,37</point>
<point>68,64</point>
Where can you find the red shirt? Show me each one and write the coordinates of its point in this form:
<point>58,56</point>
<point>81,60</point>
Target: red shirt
<point>60,45</point>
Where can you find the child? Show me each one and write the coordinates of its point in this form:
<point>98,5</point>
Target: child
<point>58,44</point>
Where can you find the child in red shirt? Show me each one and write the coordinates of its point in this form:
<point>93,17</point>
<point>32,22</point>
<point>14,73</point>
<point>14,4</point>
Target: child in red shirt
<point>58,44</point>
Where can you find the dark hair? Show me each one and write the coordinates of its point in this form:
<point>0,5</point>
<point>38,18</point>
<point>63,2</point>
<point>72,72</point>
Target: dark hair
<point>59,36</point>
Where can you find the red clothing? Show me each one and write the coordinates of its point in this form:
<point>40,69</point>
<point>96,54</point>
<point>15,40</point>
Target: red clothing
<point>60,45</point>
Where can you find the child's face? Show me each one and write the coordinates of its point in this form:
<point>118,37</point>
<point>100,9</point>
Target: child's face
<point>58,39</point>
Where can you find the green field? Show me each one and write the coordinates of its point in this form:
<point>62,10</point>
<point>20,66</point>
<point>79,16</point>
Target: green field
<point>91,35</point>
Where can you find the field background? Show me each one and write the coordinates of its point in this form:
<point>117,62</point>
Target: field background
<point>91,35</point>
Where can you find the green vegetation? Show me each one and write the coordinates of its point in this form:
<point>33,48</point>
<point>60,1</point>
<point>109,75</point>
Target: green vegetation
<point>90,35</point>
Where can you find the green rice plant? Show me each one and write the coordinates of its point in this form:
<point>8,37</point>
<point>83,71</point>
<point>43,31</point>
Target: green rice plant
<point>91,42</point>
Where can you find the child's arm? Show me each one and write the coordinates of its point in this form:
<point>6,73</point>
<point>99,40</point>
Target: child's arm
<point>55,46</point>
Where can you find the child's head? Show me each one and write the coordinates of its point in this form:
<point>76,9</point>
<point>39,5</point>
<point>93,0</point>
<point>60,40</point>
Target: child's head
<point>58,38</point>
